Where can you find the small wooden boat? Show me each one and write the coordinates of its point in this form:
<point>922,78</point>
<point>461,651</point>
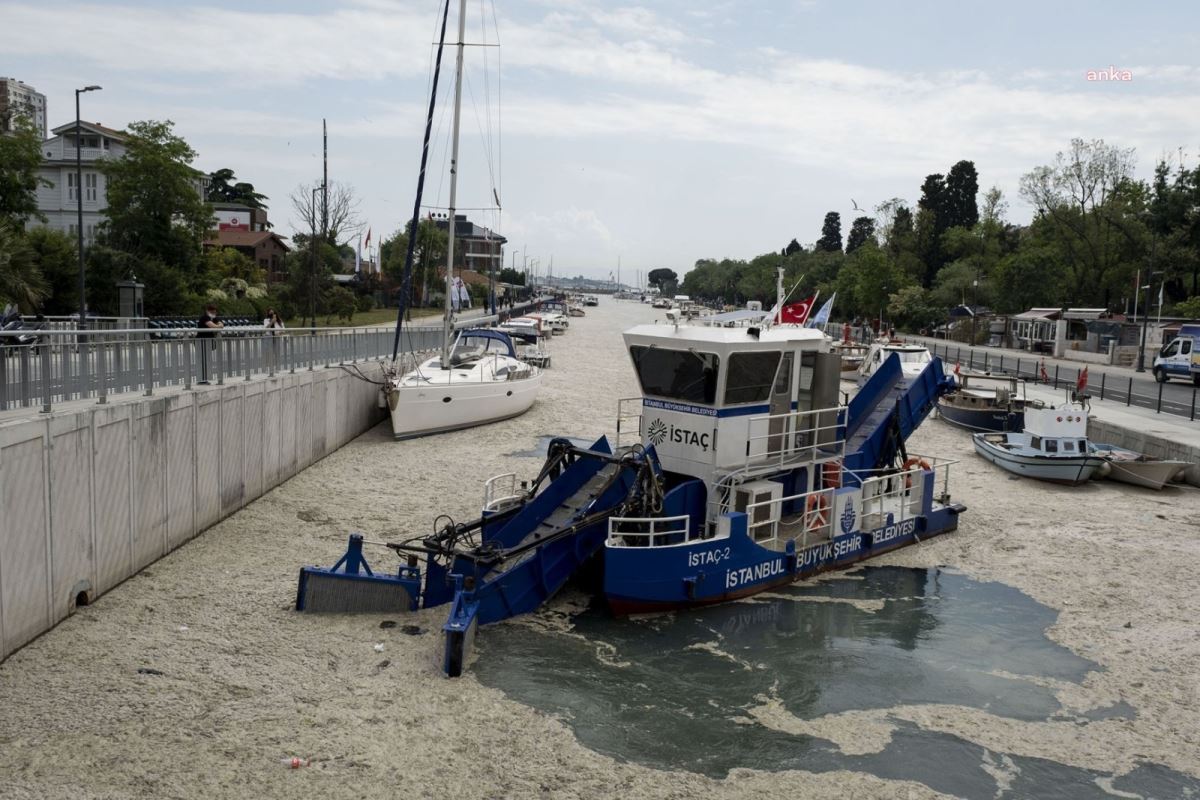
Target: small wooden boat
<point>983,402</point>
<point>1130,466</point>
<point>1052,447</point>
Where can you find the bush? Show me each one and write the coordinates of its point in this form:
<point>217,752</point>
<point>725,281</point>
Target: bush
<point>366,303</point>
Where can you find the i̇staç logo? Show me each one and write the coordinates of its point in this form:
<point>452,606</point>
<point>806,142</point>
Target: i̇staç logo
<point>658,431</point>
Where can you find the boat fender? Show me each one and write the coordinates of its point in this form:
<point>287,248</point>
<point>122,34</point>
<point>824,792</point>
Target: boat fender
<point>909,463</point>
<point>689,586</point>
<point>816,511</point>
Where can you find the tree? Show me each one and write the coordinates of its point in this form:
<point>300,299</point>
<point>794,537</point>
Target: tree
<point>429,253</point>
<point>224,187</point>
<point>958,202</point>
<point>20,158</point>
<point>225,263</point>
<point>831,234</point>
<point>56,257</point>
<point>340,301</point>
<point>512,276</point>
<point>861,231</point>
<point>1089,206</point>
<point>1188,309</point>
<point>338,221</point>
<point>662,278</point>
<point>21,282</point>
<point>913,309</point>
<point>155,209</point>
<point>793,248</point>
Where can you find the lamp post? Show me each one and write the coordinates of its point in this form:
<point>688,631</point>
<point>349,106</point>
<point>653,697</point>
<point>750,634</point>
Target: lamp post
<point>1141,362</point>
<point>312,278</point>
<point>79,202</point>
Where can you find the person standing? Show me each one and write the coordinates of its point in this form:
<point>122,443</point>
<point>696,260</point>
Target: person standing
<point>274,325</point>
<point>206,329</point>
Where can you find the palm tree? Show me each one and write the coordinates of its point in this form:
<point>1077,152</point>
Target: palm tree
<point>21,280</point>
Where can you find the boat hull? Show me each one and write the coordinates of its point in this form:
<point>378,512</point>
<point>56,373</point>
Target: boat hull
<point>711,571</point>
<point>986,419</point>
<point>1129,466</point>
<point>1067,470</point>
<point>423,410</point>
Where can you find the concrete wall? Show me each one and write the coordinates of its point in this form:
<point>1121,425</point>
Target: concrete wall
<point>91,494</point>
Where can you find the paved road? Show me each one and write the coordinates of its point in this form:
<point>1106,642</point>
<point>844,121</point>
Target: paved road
<point>1110,383</point>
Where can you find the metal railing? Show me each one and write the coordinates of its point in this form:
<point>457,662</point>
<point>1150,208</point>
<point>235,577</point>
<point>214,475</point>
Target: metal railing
<point>1180,400</point>
<point>500,492</point>
<point>41,368</point>
<point>776,441</point>
<point>650,531</point>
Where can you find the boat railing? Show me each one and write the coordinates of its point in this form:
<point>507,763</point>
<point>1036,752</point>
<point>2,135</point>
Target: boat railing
<point>778,441</point>
<point>629,421</point>
<point>650,531</point>
<point>500,492</point>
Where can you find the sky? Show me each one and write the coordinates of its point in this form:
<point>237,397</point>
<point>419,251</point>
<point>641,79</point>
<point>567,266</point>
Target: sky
<point>646,135</point>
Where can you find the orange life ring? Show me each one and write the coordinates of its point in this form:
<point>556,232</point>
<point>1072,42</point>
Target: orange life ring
<point>831,474</point>
<point>909,463</point>
<point>816,512</point>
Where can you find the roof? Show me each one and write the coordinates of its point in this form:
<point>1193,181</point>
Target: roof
<point>683,334</point>
<point>1039,313</point>
<point>94,127</point>
<point>1084,313</point>
<point>238,238</point>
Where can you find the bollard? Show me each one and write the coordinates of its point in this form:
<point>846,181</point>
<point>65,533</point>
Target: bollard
<point>1158,407</point>
<point>1002,362</point>
<point>1056,376</point>
<point>1129,392</point>
<point>1193,416</point>
<point>1103,375</point>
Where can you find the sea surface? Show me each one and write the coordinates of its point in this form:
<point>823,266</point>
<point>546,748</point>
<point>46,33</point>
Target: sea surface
<point>705,690</point>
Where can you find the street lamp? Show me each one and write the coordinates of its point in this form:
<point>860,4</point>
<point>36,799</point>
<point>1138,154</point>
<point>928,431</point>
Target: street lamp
<point>1141,362</point>
<point>79,201</point>
<point>312,246</point>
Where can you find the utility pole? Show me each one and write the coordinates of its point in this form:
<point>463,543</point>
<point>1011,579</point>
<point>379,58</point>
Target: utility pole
<point>79,203</point>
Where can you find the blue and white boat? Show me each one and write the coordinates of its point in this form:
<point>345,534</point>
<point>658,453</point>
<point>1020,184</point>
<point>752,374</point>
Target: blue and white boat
<point>1052,447</point>
<point>735,471</point>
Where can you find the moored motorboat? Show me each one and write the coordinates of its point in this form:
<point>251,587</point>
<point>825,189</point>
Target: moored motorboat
<point>913,358</point>
<point>985,402</point>
<point>1052,447</point>
<point>1139,469</point>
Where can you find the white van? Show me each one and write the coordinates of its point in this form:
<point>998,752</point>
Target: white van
<point>1180,357</point>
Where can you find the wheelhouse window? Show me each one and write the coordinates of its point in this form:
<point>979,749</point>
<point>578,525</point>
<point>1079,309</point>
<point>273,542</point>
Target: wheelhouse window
<point>685,375</point>
<point>750,376</point>
<point>1051,445</point>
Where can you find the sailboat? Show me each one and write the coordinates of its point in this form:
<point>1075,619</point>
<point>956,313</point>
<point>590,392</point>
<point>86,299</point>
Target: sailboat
<point>477,378</point>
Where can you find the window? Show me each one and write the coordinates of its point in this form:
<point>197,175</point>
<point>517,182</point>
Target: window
<point>750,377</point>
<point>1170,349</point>
<point>1068,447</point>
<point>1185,347</point>
<point>1083,447</point>
<point>677,374</point>
<point>89,186</point>
<point>1035,442</point>
<point>70,185</point>
<point>1052,445</point>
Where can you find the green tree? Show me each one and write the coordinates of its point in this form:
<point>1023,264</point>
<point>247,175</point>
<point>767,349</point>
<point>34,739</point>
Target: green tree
<point>513,276</point>
<point>792,248</point>
<point>155,208</point>
<point>340,301</point>
<point>1188,309</point>
<point>56,256</point>
<point>662,278</point>
<point>224,187</point>
<point>20,158</point>
<point>224,263</point>
<point>428,255</point>
<point>21,281</point>
<point>831,233</point>
<point>962,186</point>
<point>861,231</point>
<point>913,309</point>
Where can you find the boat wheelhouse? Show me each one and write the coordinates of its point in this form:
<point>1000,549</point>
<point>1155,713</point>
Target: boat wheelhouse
<point>985,402</point>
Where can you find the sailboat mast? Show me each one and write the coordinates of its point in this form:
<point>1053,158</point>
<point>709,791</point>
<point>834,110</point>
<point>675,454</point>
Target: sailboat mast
<point>458,73</point>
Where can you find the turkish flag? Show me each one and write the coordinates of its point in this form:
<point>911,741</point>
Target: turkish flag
<point>1081,382</point>
<point>796,313</point>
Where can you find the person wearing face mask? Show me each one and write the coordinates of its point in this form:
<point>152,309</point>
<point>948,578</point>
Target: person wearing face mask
<point>206,328</point>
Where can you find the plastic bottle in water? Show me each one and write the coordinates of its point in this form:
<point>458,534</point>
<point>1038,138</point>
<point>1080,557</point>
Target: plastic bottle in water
<point>295,762</point>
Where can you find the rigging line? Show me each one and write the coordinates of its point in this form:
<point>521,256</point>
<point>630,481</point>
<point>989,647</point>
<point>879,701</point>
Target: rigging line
<point>489,158</point>
<point>406,287</point>
<point>487,90</point>
<point>499,109</point>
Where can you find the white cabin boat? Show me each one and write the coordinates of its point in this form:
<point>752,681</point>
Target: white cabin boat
<point>1052,447</point>
<point>913,359</point>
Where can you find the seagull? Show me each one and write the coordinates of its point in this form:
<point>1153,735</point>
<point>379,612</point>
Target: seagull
<point>856,208</point>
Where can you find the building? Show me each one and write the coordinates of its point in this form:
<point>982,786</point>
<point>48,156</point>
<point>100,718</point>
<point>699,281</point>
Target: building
<point>58,201</point>
<point>238,217</point>
<point>267,249</point>
<point>20,99</point>
<point>475,248</point>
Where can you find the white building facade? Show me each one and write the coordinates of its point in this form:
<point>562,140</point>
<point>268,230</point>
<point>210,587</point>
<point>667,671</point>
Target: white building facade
<point>58,201</point>
<point>18,98</point>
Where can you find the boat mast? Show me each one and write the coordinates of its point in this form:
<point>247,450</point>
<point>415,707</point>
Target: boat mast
<point>458,71</point>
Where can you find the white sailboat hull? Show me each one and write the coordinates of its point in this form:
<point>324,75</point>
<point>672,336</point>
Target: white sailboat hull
<point>438,406</point>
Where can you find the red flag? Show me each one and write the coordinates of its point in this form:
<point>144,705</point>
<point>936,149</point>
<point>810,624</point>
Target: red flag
<point>1045,377</point>
<point>796,313</point>
<point>957,370</point>
<point>1081,382</point>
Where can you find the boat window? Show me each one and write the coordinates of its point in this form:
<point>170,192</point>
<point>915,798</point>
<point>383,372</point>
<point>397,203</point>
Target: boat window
<point>677,374</point>
<point>1035,442</point>
<point>1083,448</point>
<point>1068,447</point>
<point>1051,445</point>
<point>750,376</point>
